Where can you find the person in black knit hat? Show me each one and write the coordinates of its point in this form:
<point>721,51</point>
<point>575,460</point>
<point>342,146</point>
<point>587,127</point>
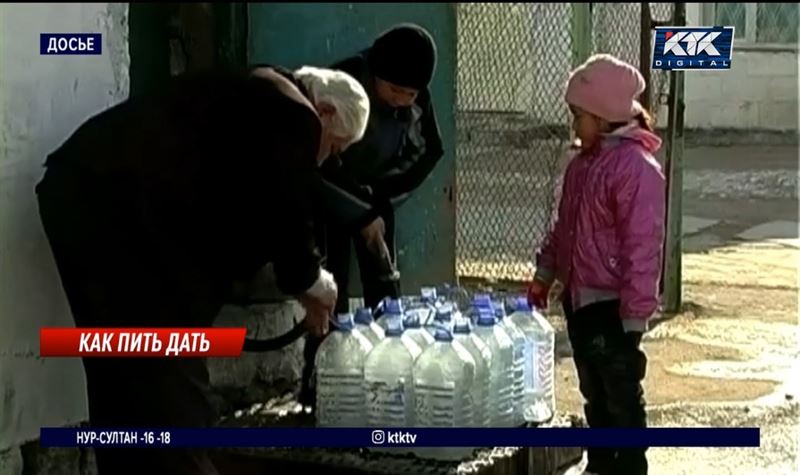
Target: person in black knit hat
<point>404,56</point>
<point>363,186</point>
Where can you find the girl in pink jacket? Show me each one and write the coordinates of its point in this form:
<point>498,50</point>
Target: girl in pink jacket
<point>606,247</point>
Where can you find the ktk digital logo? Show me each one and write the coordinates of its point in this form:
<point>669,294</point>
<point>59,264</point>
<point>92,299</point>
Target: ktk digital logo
<point>693,48</point>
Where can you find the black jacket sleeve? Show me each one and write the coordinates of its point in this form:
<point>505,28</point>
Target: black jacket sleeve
<point>418,159</point>
<point>296,257</point>
<point>345,200</point>
<point>284,179</point>
<point>358,205</point>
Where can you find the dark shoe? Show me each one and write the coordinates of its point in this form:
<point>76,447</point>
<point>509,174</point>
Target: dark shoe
<point>631,461</point>
<point>601,461</point>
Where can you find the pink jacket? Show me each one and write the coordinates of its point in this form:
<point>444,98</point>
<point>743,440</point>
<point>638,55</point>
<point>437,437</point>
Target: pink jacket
<point>608,238</point>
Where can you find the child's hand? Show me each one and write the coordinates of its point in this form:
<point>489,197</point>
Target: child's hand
<point>537,295</point>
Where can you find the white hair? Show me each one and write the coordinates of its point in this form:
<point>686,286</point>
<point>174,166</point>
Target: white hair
<point>343,92</point>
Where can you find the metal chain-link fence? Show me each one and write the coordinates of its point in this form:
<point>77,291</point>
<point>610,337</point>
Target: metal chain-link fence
<point>513,126</point>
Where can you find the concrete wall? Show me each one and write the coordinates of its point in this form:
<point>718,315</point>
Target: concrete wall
<point>42,100</point>
<point>517,59</point>
<point>759,92</point>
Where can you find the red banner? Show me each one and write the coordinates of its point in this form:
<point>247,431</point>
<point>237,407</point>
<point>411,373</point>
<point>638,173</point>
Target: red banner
<point>141,342</point>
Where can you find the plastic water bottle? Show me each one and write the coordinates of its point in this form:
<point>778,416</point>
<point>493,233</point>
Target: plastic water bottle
<point>423,305</point>
<point>389,374</point>
<point>444,376</point>
<point>429,300</point>
<point>480,301</point>
<point>429,295</point>
<point>519,341</point>
<point>340,375</point>
<point>367,326</point>
<point>442,319</point>
<point>482,356</point>
<point>413,328</point>
<point>539,389</point>
<point>454,294</point>
<point>501,370</point>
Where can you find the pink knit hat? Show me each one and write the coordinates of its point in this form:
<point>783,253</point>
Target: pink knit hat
<point>607,88</point>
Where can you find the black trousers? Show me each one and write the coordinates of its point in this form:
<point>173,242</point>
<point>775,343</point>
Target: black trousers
<point>611,367</point>
<point>338,241</point>
<point>113,277</point>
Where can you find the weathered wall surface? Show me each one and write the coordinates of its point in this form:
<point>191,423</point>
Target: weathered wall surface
<point>42,100</point>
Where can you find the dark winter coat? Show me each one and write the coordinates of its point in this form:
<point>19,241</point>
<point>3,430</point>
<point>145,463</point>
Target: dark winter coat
<point>215,175</point>
<point>400,149</point>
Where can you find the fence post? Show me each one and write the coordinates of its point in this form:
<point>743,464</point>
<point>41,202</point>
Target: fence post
<point>674,165</point>
<point>644,54</point>
<point>581,32</point>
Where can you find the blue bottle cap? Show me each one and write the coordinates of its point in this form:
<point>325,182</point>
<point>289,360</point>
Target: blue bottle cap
<point>444,313</point>
<point>394,307</point>
<point>363,316</point>
<point>394,325</point>
<point>482,301</point>
<point>344,322</point>
<point>521,305</point>
<point>442,335</point>
<point>499,311</point>
<point>486,318</point>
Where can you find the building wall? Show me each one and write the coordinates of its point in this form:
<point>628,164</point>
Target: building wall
<point>42,100</point>
<point>759,92</point>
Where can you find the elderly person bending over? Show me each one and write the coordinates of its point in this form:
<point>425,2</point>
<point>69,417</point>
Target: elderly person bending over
<point>154,207</point>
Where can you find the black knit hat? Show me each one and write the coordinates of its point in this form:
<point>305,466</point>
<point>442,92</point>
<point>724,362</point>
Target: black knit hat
<point>405,55</point>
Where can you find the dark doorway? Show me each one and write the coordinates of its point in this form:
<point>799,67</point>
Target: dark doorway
<point>167,39</point>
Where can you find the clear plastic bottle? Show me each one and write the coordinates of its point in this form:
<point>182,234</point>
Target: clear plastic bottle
<point>458,296</point>
<point>365,323</point>
<point>423,306</point>
<point>443,319</point>
<point>444,378</point>
<point>413,328</point>
<point>539,389</point>
<point>519,341</point>
<point>340,376</point>
<point>480,301</point>
<point>389,374</point>
<point>429,295</point>
<point>429,300</point>
<point>482,356</point>
<point>501,371</point>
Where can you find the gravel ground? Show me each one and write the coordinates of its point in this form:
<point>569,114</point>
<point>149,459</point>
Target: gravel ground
<point>754,184</point>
